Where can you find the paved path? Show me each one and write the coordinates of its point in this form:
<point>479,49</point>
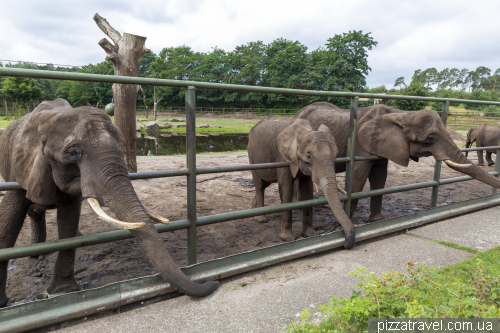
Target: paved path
<point>277,293</point>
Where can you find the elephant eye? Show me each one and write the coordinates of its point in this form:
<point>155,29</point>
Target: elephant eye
<point>72,152</point>
<point>308,155</point>
<point>430,139</point>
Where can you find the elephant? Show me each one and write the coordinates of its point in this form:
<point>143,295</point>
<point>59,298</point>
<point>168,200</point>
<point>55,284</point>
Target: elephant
<point>61,156</point>
<point>311,154</point>
<point>485,136</point>
<point>394,134</point>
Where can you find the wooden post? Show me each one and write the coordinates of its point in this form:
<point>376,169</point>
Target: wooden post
<point>125,54</point>
<point>477,114</point>
<point>455,125</point>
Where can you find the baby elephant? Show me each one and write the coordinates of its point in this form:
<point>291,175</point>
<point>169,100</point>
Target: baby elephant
<point>311,154</point>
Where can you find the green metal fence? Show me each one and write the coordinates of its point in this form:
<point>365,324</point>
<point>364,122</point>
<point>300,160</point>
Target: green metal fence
<point>247,261</point>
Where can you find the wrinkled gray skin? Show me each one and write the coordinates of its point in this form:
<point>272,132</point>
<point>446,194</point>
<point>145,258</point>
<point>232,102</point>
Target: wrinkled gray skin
<point>311,154</point>
<point>60,156</point>
<point>485,136</point>
<point>394,134</point>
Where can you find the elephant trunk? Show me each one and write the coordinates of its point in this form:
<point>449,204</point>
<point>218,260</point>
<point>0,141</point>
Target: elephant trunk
<point>116,190</point>
<point>464,165</point>
<point>328,182</point>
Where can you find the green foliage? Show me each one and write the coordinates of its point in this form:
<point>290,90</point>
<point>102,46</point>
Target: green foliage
<point>491,111</point>
<point>470,289</point>
<point>414,89</point>
<point>21,90</point>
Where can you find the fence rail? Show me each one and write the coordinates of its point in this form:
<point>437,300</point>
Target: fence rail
<point>245,260</point>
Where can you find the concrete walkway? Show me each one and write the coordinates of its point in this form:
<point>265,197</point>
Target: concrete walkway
<point>275,295</point>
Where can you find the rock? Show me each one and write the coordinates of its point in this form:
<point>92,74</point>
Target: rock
<point>151,126</point>
<point>203,126</point>
<point>178,120</point>
<point>165,126</point>
<point>138,126</point>
<point>215,126</point>
<point>178,126</point>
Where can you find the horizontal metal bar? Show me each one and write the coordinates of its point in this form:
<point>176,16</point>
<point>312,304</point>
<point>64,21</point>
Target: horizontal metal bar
<point>479,148</point>
<point>19,72</point>
<point>461,179</point>
<point>76,242</point>
<point>40,313</point>
<point>158,174</point>
<point>201,171</point>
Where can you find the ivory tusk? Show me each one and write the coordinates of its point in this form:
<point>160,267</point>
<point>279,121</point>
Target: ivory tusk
<point>457,165</point>
<point>316,187</point>
<point>156,217</point>
<point>96,207</point>
<point>342,190</point>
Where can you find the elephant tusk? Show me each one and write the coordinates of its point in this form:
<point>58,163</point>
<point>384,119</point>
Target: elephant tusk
<point>96,207</point>
<point>457,165</point>
<point>156,217</point>
<point>342,190</point>
<point>316,187</point>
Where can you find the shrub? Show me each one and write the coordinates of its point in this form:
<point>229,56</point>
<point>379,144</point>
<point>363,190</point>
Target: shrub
<point>414,89</point>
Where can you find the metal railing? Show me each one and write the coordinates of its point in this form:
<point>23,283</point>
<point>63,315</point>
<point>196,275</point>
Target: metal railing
<point>301,247</point>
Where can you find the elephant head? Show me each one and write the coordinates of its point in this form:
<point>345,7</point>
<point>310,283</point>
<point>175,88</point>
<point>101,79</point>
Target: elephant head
<point>400,136</point>
<point>313,153</point>
<point>59,151</point>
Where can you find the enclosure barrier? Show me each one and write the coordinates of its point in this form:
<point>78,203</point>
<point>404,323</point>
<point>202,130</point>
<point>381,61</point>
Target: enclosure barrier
<point>59,308</point>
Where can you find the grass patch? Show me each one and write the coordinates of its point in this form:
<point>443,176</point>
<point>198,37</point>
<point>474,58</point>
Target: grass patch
<point>458,247</point>
<point>468,289</point>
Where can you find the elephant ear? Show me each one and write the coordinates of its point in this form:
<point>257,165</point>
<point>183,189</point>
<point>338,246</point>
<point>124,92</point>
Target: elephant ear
<point>288,142</point>
<point>29,164</point>
<point>384,136</point>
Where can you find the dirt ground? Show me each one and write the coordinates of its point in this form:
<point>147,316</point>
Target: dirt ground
<point>99,265</point>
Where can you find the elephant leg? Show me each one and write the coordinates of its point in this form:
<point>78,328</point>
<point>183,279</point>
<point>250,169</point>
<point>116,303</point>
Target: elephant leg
<point>258,200</point>
<point>480,157</point>
<point>359,177</point>
<point>13,209</point>
<point>306,193</point>
<point>285,181</point>
<point>68,217</point>
<point>38,225</point>
<point>377,177</point>
<point>488,159</point>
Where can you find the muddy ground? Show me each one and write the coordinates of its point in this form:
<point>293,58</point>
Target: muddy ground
<point>99,265</point>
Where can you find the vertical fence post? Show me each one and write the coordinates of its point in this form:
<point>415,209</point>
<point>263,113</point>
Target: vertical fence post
<point>437,166</point>
<point>191,165</point>
<point>351,144</point>
<point>477,117</point>
<point>497,168</point>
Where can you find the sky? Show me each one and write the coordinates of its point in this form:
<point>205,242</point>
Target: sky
<point>416,34</point>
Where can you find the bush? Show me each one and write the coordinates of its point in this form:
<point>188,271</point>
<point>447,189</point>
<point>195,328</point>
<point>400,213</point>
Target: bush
<point>491,111</point>
<point>464,290</point>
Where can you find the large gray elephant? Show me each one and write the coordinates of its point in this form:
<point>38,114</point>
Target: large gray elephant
<point>311,154</point>
<point>61,156</point>
<point>484,136</point>
<point>394,134</point>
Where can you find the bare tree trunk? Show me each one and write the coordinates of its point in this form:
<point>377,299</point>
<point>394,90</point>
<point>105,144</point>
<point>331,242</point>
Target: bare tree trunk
<point>125,54</point>
<point>155,103</point>
<point>145,104</point>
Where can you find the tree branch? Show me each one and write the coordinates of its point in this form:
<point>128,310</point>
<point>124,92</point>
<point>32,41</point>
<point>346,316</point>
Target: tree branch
<point>107,28</point>
<point>109,48</point>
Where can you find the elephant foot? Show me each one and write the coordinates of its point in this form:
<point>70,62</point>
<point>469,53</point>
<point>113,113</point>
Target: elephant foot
<point>376,217</point>
<point>480,164</point>
<point>286,235</point>
<point>261,219</point>
<point>63,287</point>
<point>490,164</point>
<point>308,232</point>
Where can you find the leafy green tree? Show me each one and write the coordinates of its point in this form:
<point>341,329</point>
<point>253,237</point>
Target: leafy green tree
<point>285,61</point>
<point>400,81</point>
<point>414,89</point>
<point>346,59</point>
<point>21,90</point>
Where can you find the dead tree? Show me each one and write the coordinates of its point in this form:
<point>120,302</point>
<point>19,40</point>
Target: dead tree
<point>125,54</point>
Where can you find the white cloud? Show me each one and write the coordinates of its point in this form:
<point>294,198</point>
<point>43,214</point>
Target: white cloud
<point>411,34</point>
